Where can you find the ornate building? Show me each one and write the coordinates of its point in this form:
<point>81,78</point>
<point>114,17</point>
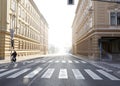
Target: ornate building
<point>22,28</point>
<point>96,29</point>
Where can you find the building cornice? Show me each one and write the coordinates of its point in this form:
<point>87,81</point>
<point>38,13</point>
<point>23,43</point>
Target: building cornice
<point>96,32</point>
<point>37,10</point>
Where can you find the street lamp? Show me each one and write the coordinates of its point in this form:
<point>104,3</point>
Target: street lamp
<point>13,25</point>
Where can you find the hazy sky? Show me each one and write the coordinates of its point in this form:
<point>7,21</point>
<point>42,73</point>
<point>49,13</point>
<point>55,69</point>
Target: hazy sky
<point>59,16</point>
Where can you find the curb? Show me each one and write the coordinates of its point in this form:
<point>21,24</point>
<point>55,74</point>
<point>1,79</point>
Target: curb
<point>6,61</point>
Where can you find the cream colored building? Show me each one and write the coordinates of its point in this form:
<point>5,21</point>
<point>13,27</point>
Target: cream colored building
<point>96,29</point>
<point>21,21</point>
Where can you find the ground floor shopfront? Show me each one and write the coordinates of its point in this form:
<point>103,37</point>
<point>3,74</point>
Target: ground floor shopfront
<point>99,45</point>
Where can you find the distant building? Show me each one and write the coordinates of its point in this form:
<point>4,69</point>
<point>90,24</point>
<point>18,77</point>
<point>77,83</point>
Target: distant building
<point>96,29</point>
<point>22,28</point>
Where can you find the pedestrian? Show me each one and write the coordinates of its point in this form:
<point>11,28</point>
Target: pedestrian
<point>13,55</point>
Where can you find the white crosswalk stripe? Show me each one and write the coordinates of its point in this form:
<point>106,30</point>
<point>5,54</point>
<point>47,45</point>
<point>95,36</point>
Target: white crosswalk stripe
<point>76,61</point>
<point>77,74</point>
<point>93,75</point>
<point>83,62</point>
<point>48,73</point>
<point>50,61</point>
<point>69,61</point>
<point>63,61</point>
<point>63,74</point>
<point>2,70</point>
<point>33,73</point>
<point>18,73</point>
<point>8,72</point>
<point>111,77</point>
<point>57,61</point>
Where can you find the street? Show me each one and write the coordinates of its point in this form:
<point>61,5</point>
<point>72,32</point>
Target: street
<point>64,70</point>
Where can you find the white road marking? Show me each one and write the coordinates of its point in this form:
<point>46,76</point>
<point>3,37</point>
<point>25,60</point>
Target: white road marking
<point>63,74</point>
<point>77,74</point>
<point>69,61</point>
<point>76,61</point>
<point>93,75</point>
<point>2,70</point>
<point>57,61</point>
<point>101,67</point>
<point>18,73</point>
<point>111,77</point>
<point>15,65</point>
<point>50,61</point>
<point>83,62</point>
<point>8,72</point>
<point>48,73</point>
<point>33,73</point>
<point>63,61</point>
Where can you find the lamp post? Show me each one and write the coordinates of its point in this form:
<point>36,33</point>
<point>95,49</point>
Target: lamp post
<point>12,33</point>
<point>13,23</point>
<point>12,38</point>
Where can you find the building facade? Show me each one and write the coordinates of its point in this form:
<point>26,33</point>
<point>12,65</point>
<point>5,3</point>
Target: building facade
<point>22,28</point>
<point>96,29</point>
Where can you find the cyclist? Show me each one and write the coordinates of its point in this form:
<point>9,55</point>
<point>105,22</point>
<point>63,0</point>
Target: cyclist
<point>13,55</point>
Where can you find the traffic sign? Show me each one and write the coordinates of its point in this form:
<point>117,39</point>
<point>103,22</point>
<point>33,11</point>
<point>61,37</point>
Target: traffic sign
<point>11,33</point>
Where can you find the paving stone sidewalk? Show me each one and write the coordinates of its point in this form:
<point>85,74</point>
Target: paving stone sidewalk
<point>7,60</point>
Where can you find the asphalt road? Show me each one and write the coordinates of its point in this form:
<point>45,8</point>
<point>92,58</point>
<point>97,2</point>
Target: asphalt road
<point>64,70</point>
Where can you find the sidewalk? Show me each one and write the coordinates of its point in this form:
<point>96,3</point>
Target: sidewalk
<point>7,60</point>
<point>109,66</point>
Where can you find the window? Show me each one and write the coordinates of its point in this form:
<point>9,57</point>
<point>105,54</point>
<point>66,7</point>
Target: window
<point>115,18</point>
<point>70,2</point>
<point>13,5</point>
<point>19,11</point>
<point>118,18</point>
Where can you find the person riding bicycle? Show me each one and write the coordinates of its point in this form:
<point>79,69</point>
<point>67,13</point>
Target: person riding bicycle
<point>14,54</point>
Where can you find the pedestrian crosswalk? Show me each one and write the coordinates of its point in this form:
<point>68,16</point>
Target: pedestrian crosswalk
<point>48,73</point>
<point>108,75</point>
<point>2,70</point>
<point>8,72</point>
<point>18,73</point>
<point>78,74</point>
<point>33,73</point>
<point>60,61</point>
<point>56,61</point>
<point>92,74</point>
<point>62,73</point>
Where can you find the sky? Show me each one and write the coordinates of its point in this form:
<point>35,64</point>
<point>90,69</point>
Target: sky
<point>59,16</point>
